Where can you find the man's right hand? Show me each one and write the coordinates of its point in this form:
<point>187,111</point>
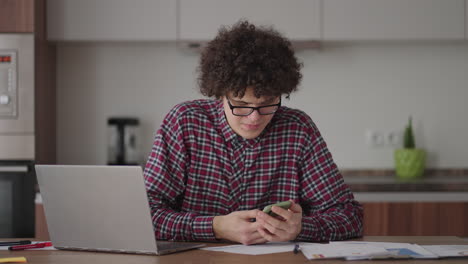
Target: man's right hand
<point>238,227</point>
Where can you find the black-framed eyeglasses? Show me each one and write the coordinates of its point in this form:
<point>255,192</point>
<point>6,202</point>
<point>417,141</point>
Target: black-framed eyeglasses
<point>247,110</point>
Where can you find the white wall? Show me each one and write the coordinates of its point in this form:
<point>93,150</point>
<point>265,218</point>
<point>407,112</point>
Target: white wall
<point>347,89</point>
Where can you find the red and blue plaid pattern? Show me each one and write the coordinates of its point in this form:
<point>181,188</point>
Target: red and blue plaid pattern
<point>199,168</point>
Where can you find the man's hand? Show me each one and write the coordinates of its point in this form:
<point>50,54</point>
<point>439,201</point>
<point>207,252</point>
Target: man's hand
<point>237,227</point>
<point>285,227</point>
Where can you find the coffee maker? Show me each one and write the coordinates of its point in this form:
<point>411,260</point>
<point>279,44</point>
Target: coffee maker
<point>123,145</point>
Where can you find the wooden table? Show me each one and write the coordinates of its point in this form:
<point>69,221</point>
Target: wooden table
<point>202,256</point>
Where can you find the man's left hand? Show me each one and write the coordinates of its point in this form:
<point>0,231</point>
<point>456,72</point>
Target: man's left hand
<point>285,227</point>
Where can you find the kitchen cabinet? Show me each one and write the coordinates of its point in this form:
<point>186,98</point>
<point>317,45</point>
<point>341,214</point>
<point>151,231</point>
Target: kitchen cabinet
<point>296,19</point>
<point>45,89</point>
<point>393,19</point>
<point>415,218</point>
<point>112,20</point>
<point>16,16</point>
<point>41,232</point>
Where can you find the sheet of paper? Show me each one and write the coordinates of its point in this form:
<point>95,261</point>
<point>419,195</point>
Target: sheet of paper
<point>448,250</point>
<point>267,248</point>
<point>321,251</point>
<point>395,250</point>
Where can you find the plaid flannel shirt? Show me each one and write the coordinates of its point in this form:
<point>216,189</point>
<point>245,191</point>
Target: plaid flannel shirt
<point>199,168</point>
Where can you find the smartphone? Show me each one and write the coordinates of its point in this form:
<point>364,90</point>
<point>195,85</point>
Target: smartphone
<point>285,205</point>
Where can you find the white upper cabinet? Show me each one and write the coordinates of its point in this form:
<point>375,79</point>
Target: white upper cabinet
<point>393,19</point>
<point>299,20</point>
<point>112,20</point>
<point>296,19</point>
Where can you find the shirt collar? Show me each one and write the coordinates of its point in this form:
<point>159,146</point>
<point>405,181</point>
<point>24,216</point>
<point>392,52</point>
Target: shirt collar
<point>226,129</point>
<point>229,133</point>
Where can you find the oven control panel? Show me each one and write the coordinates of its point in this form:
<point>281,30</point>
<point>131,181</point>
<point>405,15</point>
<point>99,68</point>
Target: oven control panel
<point>8,83</point>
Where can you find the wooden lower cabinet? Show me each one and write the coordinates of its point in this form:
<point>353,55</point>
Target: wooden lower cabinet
<point>42,233</point>
<point>415,218</point>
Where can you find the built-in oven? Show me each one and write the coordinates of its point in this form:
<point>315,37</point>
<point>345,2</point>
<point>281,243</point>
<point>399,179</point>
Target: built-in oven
<point>17,97</point>
<point>17,139</point>
<point>17,193</point>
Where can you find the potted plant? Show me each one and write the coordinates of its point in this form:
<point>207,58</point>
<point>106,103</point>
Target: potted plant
<point>409,161</point>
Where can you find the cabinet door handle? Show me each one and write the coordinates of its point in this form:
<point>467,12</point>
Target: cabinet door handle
<point>13,168</point>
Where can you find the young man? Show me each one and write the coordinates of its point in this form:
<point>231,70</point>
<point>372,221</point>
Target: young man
<point>215,163</point>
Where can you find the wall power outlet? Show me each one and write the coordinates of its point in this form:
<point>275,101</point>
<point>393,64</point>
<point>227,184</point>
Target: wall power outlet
<point>377,139</point>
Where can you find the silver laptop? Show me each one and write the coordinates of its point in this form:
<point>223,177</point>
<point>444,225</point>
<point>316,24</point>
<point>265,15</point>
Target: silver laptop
<point>100,208</point>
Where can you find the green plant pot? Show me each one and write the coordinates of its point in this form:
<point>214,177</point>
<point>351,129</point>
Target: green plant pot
<point>409,163</point>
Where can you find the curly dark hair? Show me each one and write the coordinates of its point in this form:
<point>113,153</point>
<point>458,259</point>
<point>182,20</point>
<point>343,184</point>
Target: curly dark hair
<point>246,55</point>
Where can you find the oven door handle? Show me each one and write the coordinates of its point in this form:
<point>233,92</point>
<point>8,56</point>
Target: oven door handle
<point>17,168</point>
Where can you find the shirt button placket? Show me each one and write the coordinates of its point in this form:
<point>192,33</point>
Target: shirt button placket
<point>238,165</point>
<point>248,162</point>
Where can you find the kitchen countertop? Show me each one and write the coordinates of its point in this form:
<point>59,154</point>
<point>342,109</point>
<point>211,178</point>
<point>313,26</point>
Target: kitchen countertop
<point>411,197</point>
<point>384,180</point>
<point>384,186</point>
<point>390,183</point>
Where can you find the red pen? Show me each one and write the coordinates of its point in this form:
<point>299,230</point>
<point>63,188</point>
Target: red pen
<point>30,246</point>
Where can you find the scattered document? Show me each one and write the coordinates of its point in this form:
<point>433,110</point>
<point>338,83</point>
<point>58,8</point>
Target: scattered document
<point>445,251</point>
<point>355,250</point>
<point>351,250</point>
<point>261,249</point>
<point>397,250</point>
<point>347,251</point>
